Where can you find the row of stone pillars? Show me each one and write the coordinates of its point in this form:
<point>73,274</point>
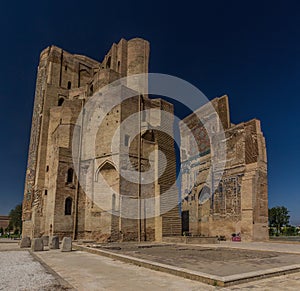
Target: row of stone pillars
<point>38,244</point>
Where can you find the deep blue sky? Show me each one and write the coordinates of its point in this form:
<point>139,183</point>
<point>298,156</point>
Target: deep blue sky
<point>249,51</point>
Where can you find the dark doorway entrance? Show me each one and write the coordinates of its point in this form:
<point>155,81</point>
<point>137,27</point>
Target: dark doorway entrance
<point>185,221</point>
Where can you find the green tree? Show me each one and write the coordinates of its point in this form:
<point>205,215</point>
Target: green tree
<point>15,218</point>
<point>278,217</point>
<point>1,230</point>
<point>290,230</point>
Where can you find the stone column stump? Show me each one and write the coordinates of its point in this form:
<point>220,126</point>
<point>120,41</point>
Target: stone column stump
<point>37,245</point>
<point>66,244</point>
<point>54,243</point>
<point>45,239</point>
<point>25,242</point>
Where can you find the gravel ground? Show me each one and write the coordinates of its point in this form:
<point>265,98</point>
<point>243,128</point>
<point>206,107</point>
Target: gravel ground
<point>19,271</point>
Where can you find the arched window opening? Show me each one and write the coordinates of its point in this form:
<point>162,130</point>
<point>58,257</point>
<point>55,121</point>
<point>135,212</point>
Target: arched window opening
<point>143,115</point>
<point>60,101</point>
<point>126,141</point>
<point>204,195</point>
<point>108,63</point>
<point>70,175</point>
<point>69,85</point>
<point>113,202</point>
<point>220,188</point>
<point>92,89</point>
<point>149,136</point>
<point>68,206</point>
<point>119,66</point>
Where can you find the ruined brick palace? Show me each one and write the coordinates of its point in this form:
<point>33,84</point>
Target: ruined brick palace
<point>54,203</point>
<point>239,203</point>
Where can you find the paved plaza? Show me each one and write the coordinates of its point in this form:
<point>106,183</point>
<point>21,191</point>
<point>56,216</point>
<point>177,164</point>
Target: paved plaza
<point>91,272</point>
<point>85,271</point>
<point>213,259</point>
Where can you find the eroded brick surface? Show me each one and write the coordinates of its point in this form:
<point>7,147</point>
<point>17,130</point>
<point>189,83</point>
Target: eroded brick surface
<point>239,201</point>
<point>54,203</point>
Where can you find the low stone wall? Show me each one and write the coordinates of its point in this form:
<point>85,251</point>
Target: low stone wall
<point>191,240</point>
